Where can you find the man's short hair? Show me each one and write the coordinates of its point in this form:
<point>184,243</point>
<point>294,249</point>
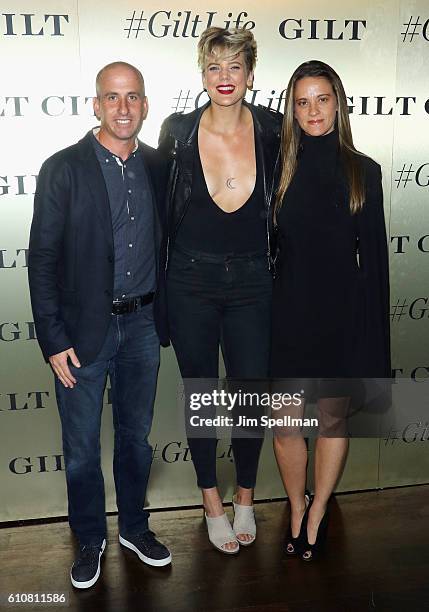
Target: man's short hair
<point>116,65</point>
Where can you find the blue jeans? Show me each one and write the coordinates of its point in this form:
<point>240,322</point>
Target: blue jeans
<point>130,355</point>
<point>221,300</point>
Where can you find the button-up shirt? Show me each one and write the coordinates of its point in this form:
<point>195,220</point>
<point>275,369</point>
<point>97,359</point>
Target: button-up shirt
<point>131,208</point>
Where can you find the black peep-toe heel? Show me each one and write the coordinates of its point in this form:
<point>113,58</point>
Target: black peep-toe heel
<point>292,544</point>
<point>309,552</point>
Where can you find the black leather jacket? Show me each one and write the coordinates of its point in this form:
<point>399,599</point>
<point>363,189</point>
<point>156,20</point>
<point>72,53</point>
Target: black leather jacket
<point>178,139</point>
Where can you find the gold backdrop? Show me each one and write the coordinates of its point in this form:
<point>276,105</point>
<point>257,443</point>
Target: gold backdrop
<point>50,52</point>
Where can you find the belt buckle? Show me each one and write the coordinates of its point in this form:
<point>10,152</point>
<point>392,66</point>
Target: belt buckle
<point>117,307</point>
<point>130,305</point>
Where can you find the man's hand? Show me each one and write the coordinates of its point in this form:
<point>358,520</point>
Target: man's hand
<point>60,366</point>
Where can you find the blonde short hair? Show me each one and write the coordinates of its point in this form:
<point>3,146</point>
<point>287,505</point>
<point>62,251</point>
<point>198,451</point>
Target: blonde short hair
<point>220,42</point>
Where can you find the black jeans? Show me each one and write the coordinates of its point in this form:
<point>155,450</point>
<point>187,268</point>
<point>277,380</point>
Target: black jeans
<point>221,300</point>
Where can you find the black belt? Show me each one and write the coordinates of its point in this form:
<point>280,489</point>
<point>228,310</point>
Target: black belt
<point>131,304</point>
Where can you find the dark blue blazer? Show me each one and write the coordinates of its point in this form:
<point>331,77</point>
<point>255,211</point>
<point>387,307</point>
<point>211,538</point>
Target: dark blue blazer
<point>71,254</point>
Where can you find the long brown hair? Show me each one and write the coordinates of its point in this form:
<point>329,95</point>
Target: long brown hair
<point>291,135</point>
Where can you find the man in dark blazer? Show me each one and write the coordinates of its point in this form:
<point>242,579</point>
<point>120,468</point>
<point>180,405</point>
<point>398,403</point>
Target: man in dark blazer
<point>97,292</point>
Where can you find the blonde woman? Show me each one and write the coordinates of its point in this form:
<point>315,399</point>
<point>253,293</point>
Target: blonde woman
<point>219,284</point>
<point>331,293</point>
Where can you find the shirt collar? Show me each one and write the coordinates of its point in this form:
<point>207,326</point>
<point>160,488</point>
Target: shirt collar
<point>95,132</point>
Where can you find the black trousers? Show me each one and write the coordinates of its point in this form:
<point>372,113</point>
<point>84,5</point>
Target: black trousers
<point>221,300</point>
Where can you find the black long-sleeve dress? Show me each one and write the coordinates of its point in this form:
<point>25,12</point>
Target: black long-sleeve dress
<point>331,294</point>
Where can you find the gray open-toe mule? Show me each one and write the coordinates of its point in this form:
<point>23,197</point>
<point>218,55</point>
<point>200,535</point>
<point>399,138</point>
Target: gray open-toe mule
<point>244,523</point>
<point>221,533</point>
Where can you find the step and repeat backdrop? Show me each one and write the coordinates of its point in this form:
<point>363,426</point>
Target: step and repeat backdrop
<point>50,52</point>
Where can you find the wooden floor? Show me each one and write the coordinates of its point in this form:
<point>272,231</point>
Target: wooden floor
<point>377,559</point>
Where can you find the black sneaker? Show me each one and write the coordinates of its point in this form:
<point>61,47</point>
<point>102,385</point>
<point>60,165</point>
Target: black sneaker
<point>147,548</point>
<point>85,570</point>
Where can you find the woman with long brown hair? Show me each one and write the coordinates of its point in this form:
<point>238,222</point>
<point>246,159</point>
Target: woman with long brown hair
<point>331,295</point>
